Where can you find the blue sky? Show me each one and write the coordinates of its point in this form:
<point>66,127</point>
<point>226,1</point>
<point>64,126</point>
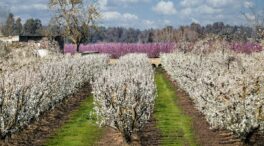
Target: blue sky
<point>147,13</point>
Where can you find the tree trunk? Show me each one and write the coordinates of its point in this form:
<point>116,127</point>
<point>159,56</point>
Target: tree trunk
<point>127,136</point>
<point>78,47</point>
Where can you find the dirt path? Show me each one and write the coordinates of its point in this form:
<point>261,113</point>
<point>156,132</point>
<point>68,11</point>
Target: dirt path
<point>148,136</point>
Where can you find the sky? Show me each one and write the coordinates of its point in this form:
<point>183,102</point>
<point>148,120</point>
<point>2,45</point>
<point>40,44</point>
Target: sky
<point>145,14</point>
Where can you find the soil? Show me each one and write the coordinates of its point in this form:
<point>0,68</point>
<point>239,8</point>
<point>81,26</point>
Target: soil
<point>43,128</point>
<point>206,136</point>
<point>112,137</point>
<point>148,136</point>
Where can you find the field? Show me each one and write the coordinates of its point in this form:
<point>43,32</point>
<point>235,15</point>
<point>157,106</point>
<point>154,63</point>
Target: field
<point>117,50</point>
<point>208,92</point>
<point>132,73</point>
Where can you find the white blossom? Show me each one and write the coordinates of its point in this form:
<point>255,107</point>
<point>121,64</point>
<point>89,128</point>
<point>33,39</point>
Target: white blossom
<point>124,94</point>
<point>27,92</point>
<point>226,87</point>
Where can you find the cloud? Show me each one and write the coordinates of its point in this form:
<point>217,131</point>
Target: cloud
<point>127,1</point>
<point>209,11</point>
<point>186,11</point>
<point>205,9</point>
<point>129,16</point>
<point>130,1</point>
<point>250,17</point>
<point>211,3</point>
<point>149,24</point>
<point>167,22</point>
<point>111,15</point>
<point>219,3</point>
<point>190,3</point>
<point>31,7</point>
<point>248,4</point>
<point>114,15</point>
<point>165,8</point>
<point>195,20</point>
<point>102,4</point>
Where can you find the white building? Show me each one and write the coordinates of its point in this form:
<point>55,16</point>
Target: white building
<point>9,39</point>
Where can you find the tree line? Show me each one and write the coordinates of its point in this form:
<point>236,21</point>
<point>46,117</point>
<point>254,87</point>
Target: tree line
<point>191,32</point>
<point>14,26</point>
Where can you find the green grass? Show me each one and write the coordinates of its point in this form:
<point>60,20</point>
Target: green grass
<point>175,126</point>
<point>80,130</point>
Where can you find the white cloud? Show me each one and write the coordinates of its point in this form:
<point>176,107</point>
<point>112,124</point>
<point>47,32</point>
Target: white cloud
<point>248,4</point>
<point>167,22</point>
<point>199,10</point>
<point>127,1</point>
<point>114,15</point>
<point>209,11</point>
<point>205,9</point>
<point>195,20</point>
<point>149,24</point>
<point>219,3</point>
<point>129,16</point>
<point>165,7</point>
<point>190,3</point>
<point>130,1</point>
<point>111,15</point>
<point>35,6</point>
<point>250,17</point>
<point>186,11</point>
<point>102,4</point>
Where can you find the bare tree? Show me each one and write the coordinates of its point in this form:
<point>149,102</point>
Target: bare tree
<point>53,29</point>
<point>256,20</point>
<point>76,18</point>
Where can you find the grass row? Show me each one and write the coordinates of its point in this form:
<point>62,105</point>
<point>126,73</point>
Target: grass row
<point>80,130</point>
<point>175,126</point>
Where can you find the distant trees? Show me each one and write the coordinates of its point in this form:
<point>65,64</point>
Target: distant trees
<point>8,27</point>
<point>14,26</point>
<point>146,36</point>
<point>76,18</point>
<point>32,27</point>
<point>18,27</point>
<point>190,33</point>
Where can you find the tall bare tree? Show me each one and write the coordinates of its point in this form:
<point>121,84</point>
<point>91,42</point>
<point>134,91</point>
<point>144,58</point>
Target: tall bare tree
<point>256,20</point>
<point>76,17</point>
